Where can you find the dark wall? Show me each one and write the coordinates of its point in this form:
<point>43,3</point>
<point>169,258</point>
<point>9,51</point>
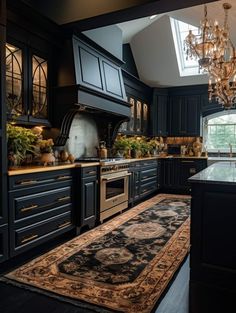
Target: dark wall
<point>128,58</point>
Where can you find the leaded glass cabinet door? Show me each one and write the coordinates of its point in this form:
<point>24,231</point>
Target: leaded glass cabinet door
<point>39,88</point>
<point>131,122</point>
<point>145,118</point>
<point>138,116</point>
<point>14,81</point>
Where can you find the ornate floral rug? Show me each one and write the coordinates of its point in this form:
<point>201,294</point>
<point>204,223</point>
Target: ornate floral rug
<point>123,265</point>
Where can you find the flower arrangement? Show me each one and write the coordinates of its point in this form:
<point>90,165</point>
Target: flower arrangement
<point>45,145</point>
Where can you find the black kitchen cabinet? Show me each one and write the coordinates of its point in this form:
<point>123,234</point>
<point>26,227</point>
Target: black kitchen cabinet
<point>170,173</point>
<point>28,74</point>
<point>158,113</point>
<point>26,84</point>
<point>87,202</point>
<point>184,118</point>
<point>144,179</point>
<point>176,171</point>
<point>139,96</point>
<point>138,124</point>
<point>212,255</point>
<point>40,208</point>
<point>188,168</point>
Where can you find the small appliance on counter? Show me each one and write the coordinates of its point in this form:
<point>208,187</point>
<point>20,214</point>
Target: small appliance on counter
<point>174,149</point>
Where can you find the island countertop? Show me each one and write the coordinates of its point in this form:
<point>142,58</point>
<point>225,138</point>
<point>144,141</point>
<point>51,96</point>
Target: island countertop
<point>217,173</point>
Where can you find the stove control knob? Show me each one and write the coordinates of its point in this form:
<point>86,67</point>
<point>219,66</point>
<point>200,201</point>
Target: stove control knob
<point>115,167</point>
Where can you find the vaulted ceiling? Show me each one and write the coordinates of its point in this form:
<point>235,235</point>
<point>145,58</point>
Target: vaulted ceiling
<point>151,41</point>
<point>153,46</point>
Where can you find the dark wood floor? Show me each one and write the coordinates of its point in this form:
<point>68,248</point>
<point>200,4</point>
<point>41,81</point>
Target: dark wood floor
<point>18,300</point>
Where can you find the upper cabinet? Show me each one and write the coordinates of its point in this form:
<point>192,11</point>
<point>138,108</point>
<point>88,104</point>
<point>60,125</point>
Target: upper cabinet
<point>139,97</point>
<point>26,84</point>
<point>158,116</point>
<point>184,112</point>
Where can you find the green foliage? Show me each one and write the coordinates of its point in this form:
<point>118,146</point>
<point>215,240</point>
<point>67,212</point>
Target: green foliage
<point>122,144</point>
<point>134,144</point>
<point>20,141</point>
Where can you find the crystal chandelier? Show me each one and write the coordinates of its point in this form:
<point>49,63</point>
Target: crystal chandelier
<point>222,68</point>
<point>201,46</point>
<point>217,57</point>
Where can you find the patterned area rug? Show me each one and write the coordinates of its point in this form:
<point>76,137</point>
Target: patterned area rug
<point>124,264</point>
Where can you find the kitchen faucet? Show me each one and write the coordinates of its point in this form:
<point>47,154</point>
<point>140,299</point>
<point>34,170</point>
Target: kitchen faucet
<point>230,150</point>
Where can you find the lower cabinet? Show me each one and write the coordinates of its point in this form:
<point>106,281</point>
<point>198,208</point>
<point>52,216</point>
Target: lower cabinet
<point>87,201</point>
<point>176,171</point>
<point>144,179</point>
<point>40,208</point>
<point>3,242</point>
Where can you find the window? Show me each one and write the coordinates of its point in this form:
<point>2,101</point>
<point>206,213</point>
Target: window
<point>187,67</point>
<point>220,131</point>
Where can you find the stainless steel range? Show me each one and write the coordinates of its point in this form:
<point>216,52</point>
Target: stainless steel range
<point>114,183</point>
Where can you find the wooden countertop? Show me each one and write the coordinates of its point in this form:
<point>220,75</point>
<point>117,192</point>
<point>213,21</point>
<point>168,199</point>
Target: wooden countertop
<point>39,168</point>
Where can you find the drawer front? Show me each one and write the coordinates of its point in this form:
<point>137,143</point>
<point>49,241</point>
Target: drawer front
<point>150,187</point>
<point>35,232</point>
<point>89,171</point>
<point>36,203</point>
<point>37,179</point>
<point>148,173</point>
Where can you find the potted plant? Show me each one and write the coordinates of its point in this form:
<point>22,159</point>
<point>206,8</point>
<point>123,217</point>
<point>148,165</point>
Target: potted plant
<point>134,147</point>
<point>20,141</point>
<point>121,145</point>
<point>145,148</point>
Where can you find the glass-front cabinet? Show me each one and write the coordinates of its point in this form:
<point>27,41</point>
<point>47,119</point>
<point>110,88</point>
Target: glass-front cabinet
<point>14,81</point>
<point>26,85</point>
<point>39,84</point>
<point>138,118</point>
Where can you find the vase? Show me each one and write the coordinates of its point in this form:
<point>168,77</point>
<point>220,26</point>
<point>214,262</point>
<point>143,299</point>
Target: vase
<point>47,159</point>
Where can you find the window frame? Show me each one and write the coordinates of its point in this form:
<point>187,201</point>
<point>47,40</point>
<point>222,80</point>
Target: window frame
<point>184,69</point>
<point>205,130</point>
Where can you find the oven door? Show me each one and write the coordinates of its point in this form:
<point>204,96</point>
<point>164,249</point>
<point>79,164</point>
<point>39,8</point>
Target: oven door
<point>114,189</point>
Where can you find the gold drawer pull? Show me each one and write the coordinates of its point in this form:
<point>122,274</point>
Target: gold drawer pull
<point>63,177</point>
<point>33,206</point>
<point>63,198</point>
<point>26,182</point>
<point>64,224</point>
<point>26,239</point>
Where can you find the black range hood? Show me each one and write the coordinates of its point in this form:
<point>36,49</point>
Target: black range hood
<point>90,80</point>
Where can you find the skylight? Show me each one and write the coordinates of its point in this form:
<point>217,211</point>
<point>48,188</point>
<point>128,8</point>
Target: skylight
<point>180,31</point>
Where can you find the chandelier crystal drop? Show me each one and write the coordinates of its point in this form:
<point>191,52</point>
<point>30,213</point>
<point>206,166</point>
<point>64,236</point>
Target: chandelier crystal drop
<point>216,56</point>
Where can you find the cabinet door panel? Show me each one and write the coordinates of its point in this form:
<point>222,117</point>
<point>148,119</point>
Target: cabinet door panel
<point>89,201</point>
<point>193,115</point>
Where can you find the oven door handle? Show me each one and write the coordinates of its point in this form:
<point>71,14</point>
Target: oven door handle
<point>115,177</point>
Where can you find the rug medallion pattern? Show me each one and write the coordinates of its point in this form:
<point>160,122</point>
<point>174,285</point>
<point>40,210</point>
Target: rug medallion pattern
<point>124,264</point>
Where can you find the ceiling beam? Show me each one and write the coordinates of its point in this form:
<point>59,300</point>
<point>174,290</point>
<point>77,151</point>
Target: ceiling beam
<point>147,8</point>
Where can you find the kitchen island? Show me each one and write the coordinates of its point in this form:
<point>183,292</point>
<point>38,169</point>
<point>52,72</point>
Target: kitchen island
<point>213,238</point>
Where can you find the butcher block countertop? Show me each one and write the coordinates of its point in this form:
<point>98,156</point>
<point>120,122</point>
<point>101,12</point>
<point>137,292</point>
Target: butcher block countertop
<point>39,168</point>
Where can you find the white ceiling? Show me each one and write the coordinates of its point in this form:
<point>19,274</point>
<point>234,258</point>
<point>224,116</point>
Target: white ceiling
<point>153,48</point>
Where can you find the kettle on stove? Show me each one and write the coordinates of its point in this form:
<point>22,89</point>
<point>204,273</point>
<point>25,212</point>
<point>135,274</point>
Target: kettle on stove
<point>102,150</point>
